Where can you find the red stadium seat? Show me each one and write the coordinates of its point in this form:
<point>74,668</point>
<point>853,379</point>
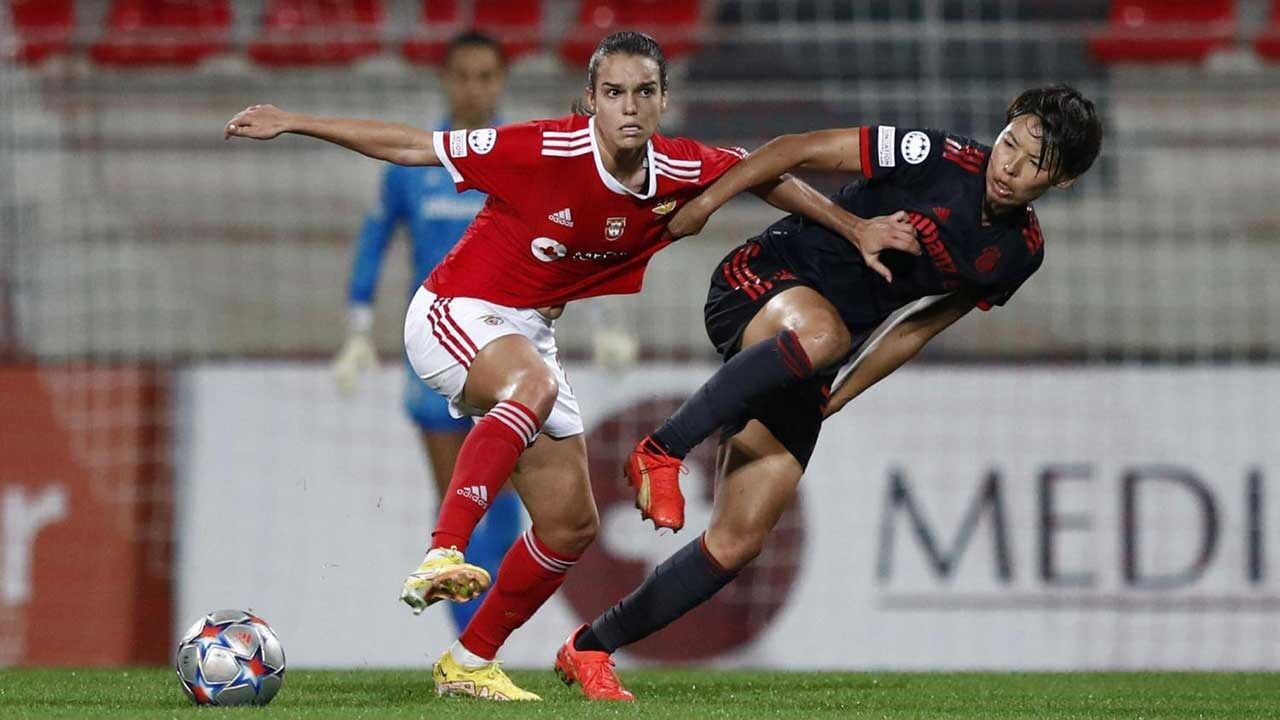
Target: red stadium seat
<point>1153,31</point>
<point>318,32</point>
<point>517,24</point>
<point>163,32</point>
<point>1268,43</point>
<point>674,23</point>
<point>44,27</point>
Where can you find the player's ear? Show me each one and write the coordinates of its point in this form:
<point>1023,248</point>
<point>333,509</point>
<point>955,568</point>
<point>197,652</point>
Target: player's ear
<point>664,101</point>
<point>590,94</point>
<point>1064,184</point>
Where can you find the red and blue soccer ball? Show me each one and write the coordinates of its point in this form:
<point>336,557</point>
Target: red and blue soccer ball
<point>230,657</point>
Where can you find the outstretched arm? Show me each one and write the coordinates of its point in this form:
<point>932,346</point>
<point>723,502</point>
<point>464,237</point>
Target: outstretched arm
<point>393,142</point>
<point>764,172</point>
<point>900,345</point>
<point>871,236</point>
<point>819,150</point>
<point>793,195</point>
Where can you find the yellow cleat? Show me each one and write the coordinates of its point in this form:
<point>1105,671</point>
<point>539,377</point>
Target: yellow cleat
<point>443,575</point>
<point>486,683</point>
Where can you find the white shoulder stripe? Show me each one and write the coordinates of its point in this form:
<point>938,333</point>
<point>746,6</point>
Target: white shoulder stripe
<point>678,176</point>
<point>681,178</point>
<point>576,142</point>
<point>548,134</point>
<point>552,152</point>
<point>677,172</point>
<point>682,168</point>
<point>677,163</point>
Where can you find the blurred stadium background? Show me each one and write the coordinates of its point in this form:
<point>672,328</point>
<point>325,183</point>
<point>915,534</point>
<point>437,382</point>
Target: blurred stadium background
<point>1079,480</point>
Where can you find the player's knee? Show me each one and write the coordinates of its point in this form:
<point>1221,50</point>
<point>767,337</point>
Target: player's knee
<point>537,390</point>
<point>582,535</point>
<point>735,548</point>
<point>573,535</point>
<point>826,341</point>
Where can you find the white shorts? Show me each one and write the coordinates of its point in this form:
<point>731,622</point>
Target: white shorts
<point>442,336</point>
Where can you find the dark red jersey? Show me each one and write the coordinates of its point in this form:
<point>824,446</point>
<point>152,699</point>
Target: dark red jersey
<point>939,180</point>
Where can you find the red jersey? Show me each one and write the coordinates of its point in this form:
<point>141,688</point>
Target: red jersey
<point>557,226</point>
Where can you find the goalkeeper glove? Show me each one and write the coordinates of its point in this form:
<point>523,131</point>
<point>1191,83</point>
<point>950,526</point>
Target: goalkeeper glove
<point>357,354</point>
<point>614,350</point>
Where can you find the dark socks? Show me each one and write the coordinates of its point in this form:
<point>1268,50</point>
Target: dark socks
<point>751,374</point>
<point>681,583</point>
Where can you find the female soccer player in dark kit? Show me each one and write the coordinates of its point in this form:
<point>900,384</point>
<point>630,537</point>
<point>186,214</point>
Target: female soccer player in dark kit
<point>804,325</point>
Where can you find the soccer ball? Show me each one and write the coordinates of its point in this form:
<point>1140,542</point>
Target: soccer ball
<point>230,657</point>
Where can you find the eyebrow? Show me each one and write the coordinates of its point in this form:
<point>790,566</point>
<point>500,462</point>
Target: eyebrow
<point>1011,138</point>
<point>619,86</point>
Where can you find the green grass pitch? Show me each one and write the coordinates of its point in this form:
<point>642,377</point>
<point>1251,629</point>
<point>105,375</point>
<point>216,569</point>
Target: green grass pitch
<point>669,695</point>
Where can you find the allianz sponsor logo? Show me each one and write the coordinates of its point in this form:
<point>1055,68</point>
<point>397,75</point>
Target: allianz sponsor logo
<point>451,207</point>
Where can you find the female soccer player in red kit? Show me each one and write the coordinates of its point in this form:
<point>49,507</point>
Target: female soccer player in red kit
<point>577,206</point>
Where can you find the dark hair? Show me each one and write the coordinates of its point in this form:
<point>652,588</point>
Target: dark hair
<point>473,38</point>
<point>627,42</point>
<point>1071,134</point>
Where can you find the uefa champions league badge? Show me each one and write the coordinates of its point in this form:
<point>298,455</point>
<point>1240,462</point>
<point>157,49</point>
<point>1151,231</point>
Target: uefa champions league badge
<point>915,147</point>
<point>482,141</point>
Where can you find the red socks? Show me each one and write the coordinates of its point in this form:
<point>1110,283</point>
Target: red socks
<point>530,574</point>
<point>487,458</point>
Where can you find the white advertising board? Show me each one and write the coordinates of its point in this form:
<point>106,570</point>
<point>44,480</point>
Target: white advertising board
<point>953,517</point>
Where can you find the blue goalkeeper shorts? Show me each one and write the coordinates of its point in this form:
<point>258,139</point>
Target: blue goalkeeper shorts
<point>428,409</point>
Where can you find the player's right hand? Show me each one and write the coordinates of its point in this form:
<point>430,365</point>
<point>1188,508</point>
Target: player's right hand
<point>259,122</point>
<point>356,356</point>
<point>886,232</point>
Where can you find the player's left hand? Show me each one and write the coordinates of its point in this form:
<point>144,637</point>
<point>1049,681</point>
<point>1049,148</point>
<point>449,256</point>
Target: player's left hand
<point>887,232</point>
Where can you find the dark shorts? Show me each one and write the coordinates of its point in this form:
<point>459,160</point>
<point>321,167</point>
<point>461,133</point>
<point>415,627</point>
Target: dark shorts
<point>742,284</point>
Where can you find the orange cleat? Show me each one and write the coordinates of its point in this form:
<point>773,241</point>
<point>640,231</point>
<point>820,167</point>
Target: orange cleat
<point>655,476</point>
<point>592,670</point>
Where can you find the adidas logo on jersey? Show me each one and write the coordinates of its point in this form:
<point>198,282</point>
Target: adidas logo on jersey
<point>564,217</point>
<point>477,494</point>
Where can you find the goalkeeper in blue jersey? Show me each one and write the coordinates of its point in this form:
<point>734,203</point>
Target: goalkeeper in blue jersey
<point>424,200</point>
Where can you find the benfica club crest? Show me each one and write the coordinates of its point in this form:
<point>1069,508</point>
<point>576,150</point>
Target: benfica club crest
<point>613,228</point>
